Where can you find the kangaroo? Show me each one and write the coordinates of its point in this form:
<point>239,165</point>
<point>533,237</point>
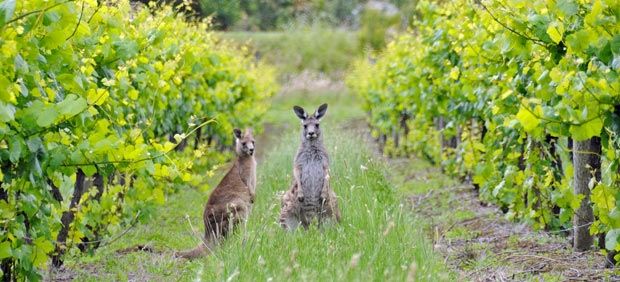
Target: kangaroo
<point>310,195</point>
<point>231,201</point>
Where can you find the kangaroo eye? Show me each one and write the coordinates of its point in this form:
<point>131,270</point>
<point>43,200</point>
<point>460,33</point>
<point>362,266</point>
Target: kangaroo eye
<point>243,144</point>
<point>305,126</point>
<point>317,125</point>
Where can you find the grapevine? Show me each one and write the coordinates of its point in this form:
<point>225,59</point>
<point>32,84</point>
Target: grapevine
<point>97,105</point>
<point>508,90</point>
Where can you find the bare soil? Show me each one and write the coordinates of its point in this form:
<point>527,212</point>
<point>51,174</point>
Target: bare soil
<point>480,244</point>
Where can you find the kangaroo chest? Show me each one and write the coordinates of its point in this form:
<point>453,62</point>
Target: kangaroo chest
<point>313,173</point>
<point>247,173</point>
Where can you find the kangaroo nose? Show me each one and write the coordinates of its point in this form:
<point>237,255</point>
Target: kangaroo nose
<point>251,150</point>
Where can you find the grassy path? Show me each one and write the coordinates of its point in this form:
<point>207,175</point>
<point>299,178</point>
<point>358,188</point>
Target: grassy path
<point>379,238</point>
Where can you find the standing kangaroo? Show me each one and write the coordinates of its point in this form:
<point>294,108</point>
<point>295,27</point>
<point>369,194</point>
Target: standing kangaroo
<point>231,201</point>
<point>310,195</point>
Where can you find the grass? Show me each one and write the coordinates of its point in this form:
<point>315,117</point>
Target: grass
<point>379,238</point>
<point>342,107</point>
<point>292,51</point>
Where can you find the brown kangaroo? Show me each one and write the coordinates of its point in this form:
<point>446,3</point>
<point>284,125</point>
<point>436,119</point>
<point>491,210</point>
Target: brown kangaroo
<point>310,196</point>
<point>231,201</point>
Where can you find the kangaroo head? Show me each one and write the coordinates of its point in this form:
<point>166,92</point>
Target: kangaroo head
<point>310,123</point>
<point>244,142</point>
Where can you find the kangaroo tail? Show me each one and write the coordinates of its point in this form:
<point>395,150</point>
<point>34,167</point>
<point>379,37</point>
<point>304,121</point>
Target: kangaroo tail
<point>199,251</point>
<point>137,248</point>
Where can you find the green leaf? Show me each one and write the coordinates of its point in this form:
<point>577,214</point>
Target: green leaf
<point>44,244</point>
<point>587,130</point>
<point>5,250</point>
<point>126,49</point>
<point>579,41</point>
<point>89,170</point>
<point>605,54</point>
<point>72,105</point>
<point>528,120</point>
<point>5,93</point>
<point>21,65</point>
<point>133,94</point>
<point>595,12</point>
<point>47,117</point>
<point>35,144</point>
<point>615,44</point>
<point>66,187</point>
<point>611,239</point>
<point>454,73</point>
<point>556,75</point>
<point>55,38</point>
<point>97,96</point>
<point>7,112</point>
<point>15,149</point>
<point>7,8</point>
<point>158,196</point>
<point>556,31</point>
<point>70,82</point>
<point>567,7</point>
<point>39,257</point>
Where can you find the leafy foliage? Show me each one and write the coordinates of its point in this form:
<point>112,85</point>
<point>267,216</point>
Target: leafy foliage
<point>91,98</point>
<point>299,49</point>
<point>516,82</point>
<point>271,15</point>
<point>225,12</point>
<point>374,27</point>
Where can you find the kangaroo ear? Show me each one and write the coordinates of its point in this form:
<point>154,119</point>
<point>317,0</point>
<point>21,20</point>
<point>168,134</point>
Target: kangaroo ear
<point>249,131</point>
<point>299,111</point>
<point>237,133</point>
<point>321,111</point>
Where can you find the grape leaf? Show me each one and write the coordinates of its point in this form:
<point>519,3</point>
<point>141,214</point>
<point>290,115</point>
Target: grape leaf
<point>7,112</point>
<point>72,105</point>
<point>611,239</point>
<point>89,170</point>
<point>555,31</point>
<point>47,117</point>
<point>528,120</point>
<point>586,130</point>
<point>15,148</point>
<point>5,250</point>
<point>97,96</point>
<point>615,44</point>
<point>7,8</point>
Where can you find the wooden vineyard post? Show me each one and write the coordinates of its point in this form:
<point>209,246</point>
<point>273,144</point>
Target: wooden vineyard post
<point>586,163</point>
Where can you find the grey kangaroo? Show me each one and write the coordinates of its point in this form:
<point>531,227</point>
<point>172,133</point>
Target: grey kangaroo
<point>310,196</point>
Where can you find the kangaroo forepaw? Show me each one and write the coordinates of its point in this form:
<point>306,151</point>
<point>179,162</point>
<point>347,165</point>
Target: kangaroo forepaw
<point>300,198</point>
